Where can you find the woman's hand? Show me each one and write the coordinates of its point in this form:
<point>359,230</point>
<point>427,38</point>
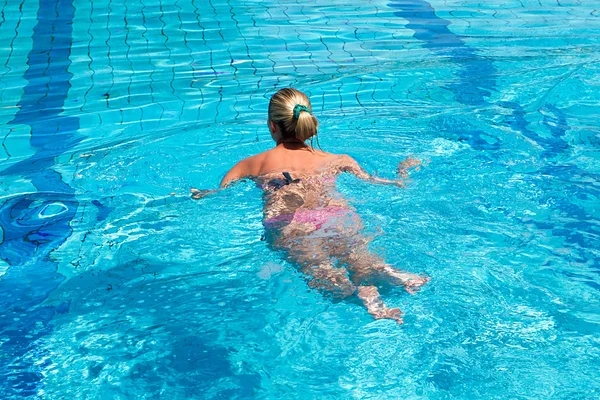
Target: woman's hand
<point>198,194</point>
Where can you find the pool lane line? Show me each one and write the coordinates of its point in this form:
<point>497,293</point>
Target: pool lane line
<point>476,79</point>
<point>7,68</point>
<point>29,236</point>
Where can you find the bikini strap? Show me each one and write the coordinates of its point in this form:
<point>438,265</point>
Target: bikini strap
<point>288,178</point>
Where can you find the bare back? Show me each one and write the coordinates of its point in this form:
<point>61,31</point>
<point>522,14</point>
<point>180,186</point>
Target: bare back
<point>301,160</point>
<point>314,170</point>
<point>314,174</point>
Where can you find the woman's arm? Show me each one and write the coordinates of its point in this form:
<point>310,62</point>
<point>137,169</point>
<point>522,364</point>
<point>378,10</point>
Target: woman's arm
<point>239,171</point>
<point>350,165</point>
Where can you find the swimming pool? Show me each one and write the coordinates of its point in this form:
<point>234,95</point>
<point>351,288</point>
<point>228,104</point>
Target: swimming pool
<point>112,288</point>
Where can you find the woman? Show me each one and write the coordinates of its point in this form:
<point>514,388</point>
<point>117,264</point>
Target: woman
<point>307,218</point>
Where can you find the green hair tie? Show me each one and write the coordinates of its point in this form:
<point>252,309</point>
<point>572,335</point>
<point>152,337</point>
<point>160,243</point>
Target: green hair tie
<point>298,109</point>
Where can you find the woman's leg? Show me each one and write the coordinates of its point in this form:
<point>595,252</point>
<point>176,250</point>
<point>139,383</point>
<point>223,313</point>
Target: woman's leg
<point>330,280</point>
<point>350,247</point>
<point>368,268</point>
<point>314,258</point>
<point>376,307</point>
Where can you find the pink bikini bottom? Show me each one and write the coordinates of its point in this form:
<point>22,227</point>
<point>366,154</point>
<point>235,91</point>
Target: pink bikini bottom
<point>317,217</point>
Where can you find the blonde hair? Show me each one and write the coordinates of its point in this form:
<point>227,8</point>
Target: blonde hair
<point>282,107</point>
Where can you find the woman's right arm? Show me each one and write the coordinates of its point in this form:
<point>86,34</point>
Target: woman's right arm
<point>239,171</point>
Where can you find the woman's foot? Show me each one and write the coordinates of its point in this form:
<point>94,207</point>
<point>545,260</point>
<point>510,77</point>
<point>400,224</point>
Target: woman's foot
<point>375,306</point>
<point>411,282</point>
<point>389,313</point>
<point>412,285</point>
<point>405,165</point>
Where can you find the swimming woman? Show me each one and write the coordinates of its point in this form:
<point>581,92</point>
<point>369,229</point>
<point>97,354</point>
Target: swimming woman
<point>305,216</point>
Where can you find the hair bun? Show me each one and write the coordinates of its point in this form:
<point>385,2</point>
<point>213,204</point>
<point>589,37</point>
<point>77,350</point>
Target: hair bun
<point>298,108</point>
<point>286,111</point>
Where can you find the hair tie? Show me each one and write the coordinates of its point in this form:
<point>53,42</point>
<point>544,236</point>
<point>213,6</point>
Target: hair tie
<point>298,109</point>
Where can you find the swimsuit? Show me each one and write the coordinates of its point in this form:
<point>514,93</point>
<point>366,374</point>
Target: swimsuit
<point>315,217</point>
<point>278,183</point>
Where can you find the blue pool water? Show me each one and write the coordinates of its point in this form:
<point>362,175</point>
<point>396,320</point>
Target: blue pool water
<point>112,288</point>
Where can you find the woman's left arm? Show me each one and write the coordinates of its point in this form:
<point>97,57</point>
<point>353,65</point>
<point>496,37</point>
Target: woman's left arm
<point>350,165</point>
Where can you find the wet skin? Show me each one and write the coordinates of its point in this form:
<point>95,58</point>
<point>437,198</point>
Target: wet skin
<point>316,228</point>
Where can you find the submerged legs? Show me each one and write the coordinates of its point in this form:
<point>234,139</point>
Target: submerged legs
<point>367,267</point>
<point>362,269</point>
<point>314,257</point>
<point>334,281</point>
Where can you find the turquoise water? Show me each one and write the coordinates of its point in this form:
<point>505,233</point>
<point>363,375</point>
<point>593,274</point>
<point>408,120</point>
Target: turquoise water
<point>112,288</point>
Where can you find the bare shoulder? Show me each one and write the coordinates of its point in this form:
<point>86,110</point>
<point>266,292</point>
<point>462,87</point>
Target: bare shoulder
<point>345,161</point>
<point>339,163</point>
<point>252,165</point>
<point>255,159</point>
<point>329,158</point>
<point>246,167</point>
<point>345,158</point>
